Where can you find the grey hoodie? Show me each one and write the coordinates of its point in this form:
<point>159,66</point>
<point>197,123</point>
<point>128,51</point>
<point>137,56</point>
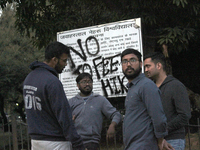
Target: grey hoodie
<point>89,115</point>
<point>176,105</point>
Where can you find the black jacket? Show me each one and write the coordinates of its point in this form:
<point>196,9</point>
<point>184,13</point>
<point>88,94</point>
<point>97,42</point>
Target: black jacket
<point>176,105</point>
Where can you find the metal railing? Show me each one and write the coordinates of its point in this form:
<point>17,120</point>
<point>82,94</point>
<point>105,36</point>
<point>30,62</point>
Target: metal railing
<point>16,138</point>
<point>189,126</point>
<point>22,139</point>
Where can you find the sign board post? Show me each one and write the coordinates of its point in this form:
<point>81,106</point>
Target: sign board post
<point>97,50</point>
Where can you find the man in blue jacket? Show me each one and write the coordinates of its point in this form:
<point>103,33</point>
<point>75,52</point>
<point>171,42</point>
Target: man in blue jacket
<point>88,109</point>
<point>49,117</point>
<point>174,97</point>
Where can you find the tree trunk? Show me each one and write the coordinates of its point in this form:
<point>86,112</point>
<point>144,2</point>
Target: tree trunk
<point>5,120</point>
<point>168,62</point>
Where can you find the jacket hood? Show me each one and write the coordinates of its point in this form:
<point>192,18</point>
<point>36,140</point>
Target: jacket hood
<point>168,79</point>
<point>37,64</point>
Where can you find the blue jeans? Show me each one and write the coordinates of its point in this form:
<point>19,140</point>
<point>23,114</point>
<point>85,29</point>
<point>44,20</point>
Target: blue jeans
<point>177,144</point>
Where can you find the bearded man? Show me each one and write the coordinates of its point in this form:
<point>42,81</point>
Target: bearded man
<point>88,110</point>
<point>49,117</point>
<point>145,123</point>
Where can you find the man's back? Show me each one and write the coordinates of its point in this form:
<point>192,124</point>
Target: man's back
<point>48,113</point>
<point>39,86</point>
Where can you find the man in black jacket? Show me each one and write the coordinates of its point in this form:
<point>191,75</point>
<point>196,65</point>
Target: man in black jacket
<point>48,112</point>
<point>174,98</point>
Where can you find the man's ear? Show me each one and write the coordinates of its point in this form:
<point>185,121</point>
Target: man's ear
<point>55,60</point>
<point>77,85</point>
<point>52,63</point>
<point>159,65</point>
<point>141,64</point>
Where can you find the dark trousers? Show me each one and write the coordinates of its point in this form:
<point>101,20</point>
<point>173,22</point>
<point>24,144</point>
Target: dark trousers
<point>92,146</point>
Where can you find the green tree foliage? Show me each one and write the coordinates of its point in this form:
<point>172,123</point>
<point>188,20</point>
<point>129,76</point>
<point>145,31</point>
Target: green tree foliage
<point>16,53</point>
<point>171,22</point>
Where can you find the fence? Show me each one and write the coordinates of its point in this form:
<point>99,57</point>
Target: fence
<point>17,137</point>
<point>193,143</point>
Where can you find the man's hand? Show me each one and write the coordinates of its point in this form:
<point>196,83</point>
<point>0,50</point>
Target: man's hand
<point>111,131</point>
<point>167,146</point>
<point>73,117</point>
<point>163,145</point>
<point>160,143</point>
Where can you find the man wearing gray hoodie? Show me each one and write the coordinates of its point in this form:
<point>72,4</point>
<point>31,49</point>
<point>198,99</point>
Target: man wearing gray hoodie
<point>88,109</point>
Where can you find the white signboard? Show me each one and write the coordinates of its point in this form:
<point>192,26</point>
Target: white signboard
<point>97,50</point>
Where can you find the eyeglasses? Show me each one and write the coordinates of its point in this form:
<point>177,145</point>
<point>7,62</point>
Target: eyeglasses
<point>64,60</point>
<point>85,82</point>
<point>131,61</point>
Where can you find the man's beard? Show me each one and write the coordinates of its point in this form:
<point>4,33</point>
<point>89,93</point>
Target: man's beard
<point>85,92</point>
<point>58,68</point>
<point>134,75</point>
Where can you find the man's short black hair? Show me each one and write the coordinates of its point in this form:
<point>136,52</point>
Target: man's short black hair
<point>83,75</point>
<point>131,51</point>
<point>55,49</point>
<point>157,57</point>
